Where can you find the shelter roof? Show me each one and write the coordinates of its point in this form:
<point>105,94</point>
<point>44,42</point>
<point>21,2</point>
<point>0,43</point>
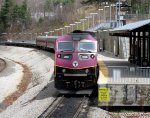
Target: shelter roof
<point>125,30</point>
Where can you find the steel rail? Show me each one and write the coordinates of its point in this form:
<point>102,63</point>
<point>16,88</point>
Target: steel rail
<point>52,107</point>
<point>79,110</point>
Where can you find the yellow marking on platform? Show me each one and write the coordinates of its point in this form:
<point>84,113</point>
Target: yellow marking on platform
<point>103,72</point>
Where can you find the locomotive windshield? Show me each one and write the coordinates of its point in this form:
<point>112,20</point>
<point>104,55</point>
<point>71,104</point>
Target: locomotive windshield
<point>65,46</point>
<point>87,46</point>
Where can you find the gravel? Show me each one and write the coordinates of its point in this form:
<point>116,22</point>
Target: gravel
<point>10,79</point>
<point>40,92</point>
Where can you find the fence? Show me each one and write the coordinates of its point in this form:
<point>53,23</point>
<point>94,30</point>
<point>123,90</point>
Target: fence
<point>128,75</point>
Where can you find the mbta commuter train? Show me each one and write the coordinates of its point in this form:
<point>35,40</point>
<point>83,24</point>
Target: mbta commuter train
<point>76,61</point>
<point>46,42</point>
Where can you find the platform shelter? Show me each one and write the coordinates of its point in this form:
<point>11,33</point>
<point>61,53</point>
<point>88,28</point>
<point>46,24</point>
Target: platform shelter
<point>139,41</point>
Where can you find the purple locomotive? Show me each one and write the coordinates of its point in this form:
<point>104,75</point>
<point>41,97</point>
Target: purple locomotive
<point>76,61</point>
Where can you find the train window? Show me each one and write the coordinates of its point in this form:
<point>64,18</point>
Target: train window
<point>87,46</point>
<point>65,46</point>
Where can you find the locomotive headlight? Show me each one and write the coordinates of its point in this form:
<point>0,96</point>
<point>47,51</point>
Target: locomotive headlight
<point>87,70</point>
<point>92,56</point>
<point>59,55</point>
<point>63,70</point>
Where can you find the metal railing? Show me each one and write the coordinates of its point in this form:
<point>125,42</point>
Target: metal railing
<point>128,75</point>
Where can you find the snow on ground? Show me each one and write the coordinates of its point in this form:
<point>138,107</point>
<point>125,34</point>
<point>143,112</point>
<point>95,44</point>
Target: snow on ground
<point>10,79</point>
<point>95,112</point>
<point>40,92</point>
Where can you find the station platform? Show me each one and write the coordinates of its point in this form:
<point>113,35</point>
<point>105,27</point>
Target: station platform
<point>121,83</point>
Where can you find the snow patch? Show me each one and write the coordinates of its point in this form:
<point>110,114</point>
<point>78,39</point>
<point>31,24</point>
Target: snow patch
<point>10,78</point>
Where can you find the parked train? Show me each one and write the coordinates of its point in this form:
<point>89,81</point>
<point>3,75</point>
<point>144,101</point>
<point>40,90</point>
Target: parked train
<point>76,61</point>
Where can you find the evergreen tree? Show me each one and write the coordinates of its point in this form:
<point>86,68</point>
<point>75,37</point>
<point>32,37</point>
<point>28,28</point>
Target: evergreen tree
<point>5,14</point>
<point>24,14</point>
<point>15,14</point>
<point>21,15</point>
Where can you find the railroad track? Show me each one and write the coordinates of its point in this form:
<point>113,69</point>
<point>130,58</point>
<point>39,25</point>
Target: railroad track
<point>70,107</point>
<point>81,107</point>
<point>53,106</point>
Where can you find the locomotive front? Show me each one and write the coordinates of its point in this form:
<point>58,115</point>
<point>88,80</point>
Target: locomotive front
<point>76,61</point>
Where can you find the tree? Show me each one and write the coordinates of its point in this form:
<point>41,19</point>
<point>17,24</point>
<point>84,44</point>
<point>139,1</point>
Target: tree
<point>1,26</point>
<point>140,6</point>
<point>57,7</point>
<point>24,14</point>
<point>5,14</point>
<point>21,15</point>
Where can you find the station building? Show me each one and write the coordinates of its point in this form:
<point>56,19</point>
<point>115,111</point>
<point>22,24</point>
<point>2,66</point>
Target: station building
<point>130,41</point>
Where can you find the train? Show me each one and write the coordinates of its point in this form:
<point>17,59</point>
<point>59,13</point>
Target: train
<point>46,42</point>
<point>75,60</point>
<point>76,66</point>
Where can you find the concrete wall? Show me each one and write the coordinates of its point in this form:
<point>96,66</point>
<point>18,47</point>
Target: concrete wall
<point>125,95</point>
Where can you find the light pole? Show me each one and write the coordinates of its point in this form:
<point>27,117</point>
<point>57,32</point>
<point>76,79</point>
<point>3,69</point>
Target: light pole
<point>88,17</point>
<point>82,20</point>
<point>93,14</point>
<point>105,13</point>
<point>57,31</point>
<point>61,6</point>
<point>119,11</point>
<point>62,32</point>
<point>72,26</point>
<point>51,32</point>
<point>111,5</point>
<point>100,14</point>
<point>67,28</point>
<point>77,24</point>
<point>46,33</point>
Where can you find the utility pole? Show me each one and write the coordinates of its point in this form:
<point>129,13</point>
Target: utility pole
<point>119,11</point>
